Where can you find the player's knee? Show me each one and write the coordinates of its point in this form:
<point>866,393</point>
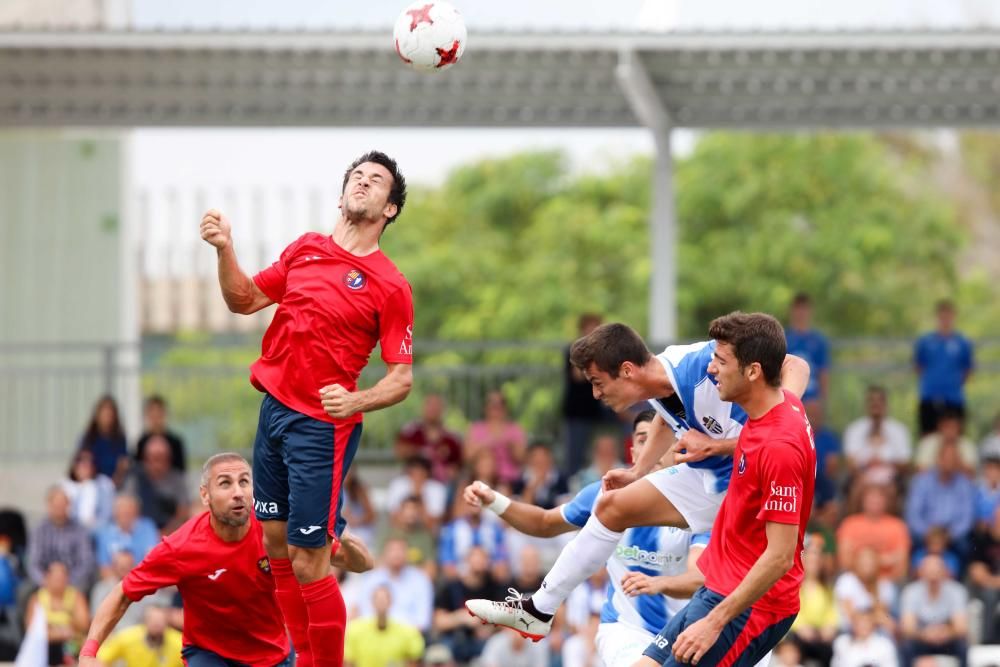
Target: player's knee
<point>610,511</point>
<point>308,564</point>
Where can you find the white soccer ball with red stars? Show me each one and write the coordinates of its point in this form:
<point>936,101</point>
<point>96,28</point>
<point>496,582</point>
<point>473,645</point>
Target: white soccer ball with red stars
<point>430,35</point>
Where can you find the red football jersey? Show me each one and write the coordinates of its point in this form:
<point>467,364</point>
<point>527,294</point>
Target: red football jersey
<point>227,588</point>
<point>333,308</point>
<point>774,472</point>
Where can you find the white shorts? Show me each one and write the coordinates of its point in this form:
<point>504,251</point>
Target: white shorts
<point>621,645</point>
<point>686,489</point>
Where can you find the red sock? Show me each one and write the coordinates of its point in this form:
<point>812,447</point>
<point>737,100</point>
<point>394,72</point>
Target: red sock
<point>293,608</point>
<point>327,620</point>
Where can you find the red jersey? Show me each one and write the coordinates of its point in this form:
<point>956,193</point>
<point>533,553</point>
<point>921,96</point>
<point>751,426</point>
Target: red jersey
<point>227,588</point>
<point>774,472</point>
<point>333,308</point>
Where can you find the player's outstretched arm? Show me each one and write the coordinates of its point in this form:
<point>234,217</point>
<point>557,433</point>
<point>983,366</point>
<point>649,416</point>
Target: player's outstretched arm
<point>528,519</point>
<point>105,619</point>
<point>340,403</point>
<point>795,375</point>
<point>239,291</point>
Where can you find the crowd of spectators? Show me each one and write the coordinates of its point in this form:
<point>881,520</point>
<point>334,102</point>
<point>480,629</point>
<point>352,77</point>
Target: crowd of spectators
<point>902,534</point>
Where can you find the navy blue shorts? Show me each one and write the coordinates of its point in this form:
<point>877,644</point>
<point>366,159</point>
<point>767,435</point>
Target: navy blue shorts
<point>299,464</point>
<point>199,657</point>
<point>743,642</point>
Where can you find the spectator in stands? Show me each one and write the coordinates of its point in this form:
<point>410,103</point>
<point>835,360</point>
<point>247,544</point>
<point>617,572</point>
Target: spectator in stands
<point>944,360</point>
<point>357,509</point>
<point>984,575</point>
<point>949,431</point>
<point>827,454</point>
<point>416,481</point>
<point>381,640</point>
<point>409,523</point>
<point>936,544</point>
<point>606,456</point>
<point>155,421</point>
<point>484,468</point>
<point>877,446</point>
<point>472,527</point>
<point>862,589</point>
<point>90,493</point>
<point>817,623</point>
<point>105,440</point>
<point>128,532</point>
<point>417,605</point>
<point>988,490</point>
<point>990,446</point>
<point>510,649</point>
<point>806,342</point>
<point>580,650</point>
<point>427,437</point>
<point>59,538</point>
<point>541,483</point>
<point>932,613</point>
<point>456,628</point>
<point>582,414</point>
<point>66,613</point>
<point>875,528</point>
<point>862,646</point>
<point>942,496</point>
<point>153,642</point>
<point>122,563</point>
<point>787,654</point>
<point>527,569</point>
<point>438,655</point>
<point>499,434</point>
<point>162,490</point>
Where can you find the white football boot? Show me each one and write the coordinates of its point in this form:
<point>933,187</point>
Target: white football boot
<point>510,614</point>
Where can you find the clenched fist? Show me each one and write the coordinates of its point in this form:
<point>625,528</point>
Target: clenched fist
<point>215,229</point>
<point>479,494</point>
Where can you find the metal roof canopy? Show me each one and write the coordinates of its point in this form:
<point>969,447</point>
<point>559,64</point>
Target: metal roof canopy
<point>750,81</point>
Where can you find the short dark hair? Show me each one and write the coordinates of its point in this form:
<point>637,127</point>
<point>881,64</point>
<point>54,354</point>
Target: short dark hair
<point>644,416</point>
<point>608,347</point>
<point>755,338</point>
<point>397,193</point>
<point>944,305</point>
<point>157,400</point>
<point>802,299</point>
<point>418,462</point>
<point>877,389</point>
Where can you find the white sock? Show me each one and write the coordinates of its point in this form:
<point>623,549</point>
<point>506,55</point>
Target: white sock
<point>582,557</point>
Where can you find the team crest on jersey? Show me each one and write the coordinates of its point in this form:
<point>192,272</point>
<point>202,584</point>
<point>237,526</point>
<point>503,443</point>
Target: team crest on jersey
<point>354,279</point>
<point>712,425</point>
<point>264,565</point>
<point>743,464</point>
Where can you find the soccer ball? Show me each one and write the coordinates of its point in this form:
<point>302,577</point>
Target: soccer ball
<point>429,35</point>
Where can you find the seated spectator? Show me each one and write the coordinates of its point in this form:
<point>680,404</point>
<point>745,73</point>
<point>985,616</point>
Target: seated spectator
<point>787,654</point>
<point>416,481</point>
<point>990,446</point>
<point>862,589</point>
<point>528,573</point>
<point>59,538</point>
<point>499,434</point>
<point>984,575</point>
<point>862,646</point>
<point>153,642</point>
<point>417,605</point>
<point>122,563</point>
<point>510,649</point>
<point>605,457</point>
<point>541,483</point>
<point>942,496</point>
<point>877,447</point>
<point>586,599</point>
<point>949,431</point>
<point>875,528</point>
<point>380,640</point>
<point>817,623</point>
<point>438,655</point>
<point>105,440</point>
<point>484,469</point>
<point>409,523</point>
<point>988,490</point>
<point>128,532</point>
<point>936,544</point>
<point>90,493</point>
<point>827,454</point>
<point>357,509</point>
<point>428,438</point>
<point>14,539</point>
<point>472,527</point>
<point>580,650</point>
<point>161,490</point>
<point>66,613</point>
<point>457,629</point>
<point>155,421</point>
<point>932,613</point>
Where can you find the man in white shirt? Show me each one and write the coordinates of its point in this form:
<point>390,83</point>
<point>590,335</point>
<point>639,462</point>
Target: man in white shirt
<point>876,445</point>
<point>416,480</point>
<point>417,605</point>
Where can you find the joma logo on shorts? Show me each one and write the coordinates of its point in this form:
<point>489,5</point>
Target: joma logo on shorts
<point>265,508</point>
<point>661,642</point>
